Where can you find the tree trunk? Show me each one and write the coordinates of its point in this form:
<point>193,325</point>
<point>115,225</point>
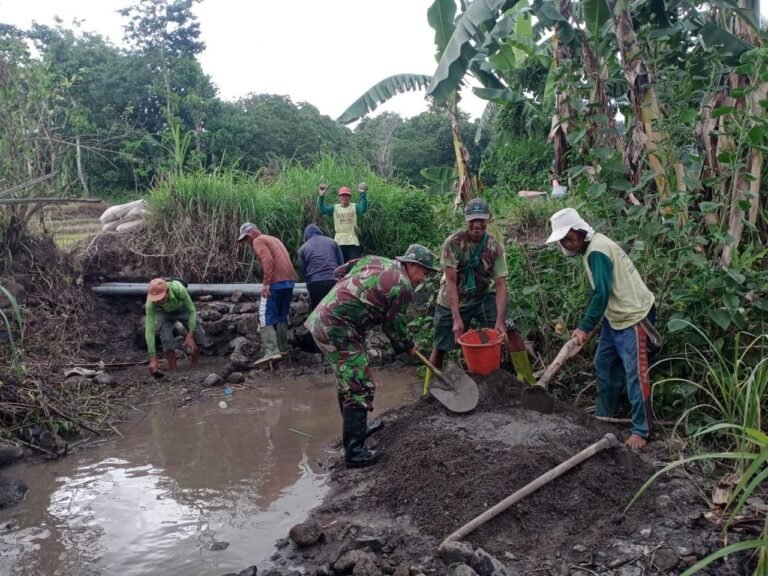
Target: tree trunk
<point>466,186</point>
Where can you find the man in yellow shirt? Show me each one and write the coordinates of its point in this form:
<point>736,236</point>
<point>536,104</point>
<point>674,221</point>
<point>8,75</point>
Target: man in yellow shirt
<point>345,215</point>
<point>623,304</point>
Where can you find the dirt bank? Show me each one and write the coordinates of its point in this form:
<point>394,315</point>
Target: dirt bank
<point>442,470</point>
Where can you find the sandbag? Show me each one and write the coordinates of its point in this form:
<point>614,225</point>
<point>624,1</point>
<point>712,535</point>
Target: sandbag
<point>110,226</point>
<point>117,212</point>
<point>139,211</point>
<point>133,225</point>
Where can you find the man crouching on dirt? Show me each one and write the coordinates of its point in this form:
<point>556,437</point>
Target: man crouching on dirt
<point>621,300</point>
<point>373,291</point>
<point>169,301</point>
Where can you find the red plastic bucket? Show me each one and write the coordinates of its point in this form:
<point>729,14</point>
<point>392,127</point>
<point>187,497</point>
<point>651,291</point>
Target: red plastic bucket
<point>482,350</point>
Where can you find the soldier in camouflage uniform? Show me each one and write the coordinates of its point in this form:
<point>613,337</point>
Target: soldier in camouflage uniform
<point>474,285</point>
<point>373,291</point>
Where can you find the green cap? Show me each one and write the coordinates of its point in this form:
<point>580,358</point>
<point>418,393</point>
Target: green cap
<point>477,209</point>
<point>420,255</point>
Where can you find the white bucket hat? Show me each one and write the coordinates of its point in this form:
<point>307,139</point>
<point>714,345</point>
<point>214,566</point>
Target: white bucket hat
<point>565,220</point>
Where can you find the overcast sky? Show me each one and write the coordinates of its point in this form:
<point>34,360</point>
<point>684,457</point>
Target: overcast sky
<point>325,52</point>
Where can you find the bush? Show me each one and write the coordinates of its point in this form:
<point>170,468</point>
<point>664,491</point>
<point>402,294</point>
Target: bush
<point>518,164</point>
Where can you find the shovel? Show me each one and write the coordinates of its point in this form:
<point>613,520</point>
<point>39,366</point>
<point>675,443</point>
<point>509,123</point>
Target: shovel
<point>453,389</point>
<point>537,397</point>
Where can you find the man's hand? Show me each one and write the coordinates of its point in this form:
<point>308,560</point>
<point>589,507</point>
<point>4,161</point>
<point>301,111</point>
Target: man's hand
<point>501,327</point>
<point>323,189</point>
<point>265,291</point>
<point>580,335</point>
<point>190,341</point>
<point>414,351</point>
<point>458,327</point>
<point>153,365</point>
<point>362,187</point>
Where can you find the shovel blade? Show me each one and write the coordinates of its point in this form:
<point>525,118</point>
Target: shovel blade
<point>459,394</point>
<point>537,398</point>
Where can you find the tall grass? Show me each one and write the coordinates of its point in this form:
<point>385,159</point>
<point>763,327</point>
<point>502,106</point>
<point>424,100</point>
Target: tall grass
<point>726,386</point>
<point>197,215</point>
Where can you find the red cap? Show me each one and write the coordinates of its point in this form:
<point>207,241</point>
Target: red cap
<point>157,290</point>
<point>345,190</point>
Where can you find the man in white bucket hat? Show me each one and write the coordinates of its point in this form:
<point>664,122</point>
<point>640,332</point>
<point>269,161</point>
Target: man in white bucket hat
<point>623,304</point>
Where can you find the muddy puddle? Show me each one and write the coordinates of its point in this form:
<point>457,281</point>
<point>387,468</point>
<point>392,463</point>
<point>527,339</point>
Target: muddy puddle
<point>203,489</point>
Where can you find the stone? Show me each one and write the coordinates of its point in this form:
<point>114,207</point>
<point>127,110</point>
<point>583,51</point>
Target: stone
<point>300,308</point>
<point>486,565</point>
<point>305,534</point>
<point>366,567</point>
<point>209,315</point>
<point>104,379</point>
<point>462,570</point>
<point>235,378</point>
<point>248,308</point>
<point>248,325</point>
<point>646,532</point>
<point>205,298</point>
<point>454,552</point>
<point>219,546</point>
<point>683,551</point>
<point>580,548</point>
<point>402,570</point>
<point>236,296</point>
<point>9,453</point>
<point>250,571</point>
<point>666,560</point>
<point>372,542</point>
<point>212,380</point>
<point>347,562</point>
<point>12,491</point>
<point>630,570</point>
<point>244,352</point>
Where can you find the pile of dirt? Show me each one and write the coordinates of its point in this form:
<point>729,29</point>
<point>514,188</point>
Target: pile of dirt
<point>441,470</point>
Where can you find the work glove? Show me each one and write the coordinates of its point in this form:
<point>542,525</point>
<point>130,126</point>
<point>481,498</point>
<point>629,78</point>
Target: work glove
<point>362,187</point>
<point>153,365</point>
<point>323,188</point>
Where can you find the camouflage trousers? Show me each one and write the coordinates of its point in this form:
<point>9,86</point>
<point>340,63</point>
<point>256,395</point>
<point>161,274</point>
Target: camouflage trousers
<point>354,379</point>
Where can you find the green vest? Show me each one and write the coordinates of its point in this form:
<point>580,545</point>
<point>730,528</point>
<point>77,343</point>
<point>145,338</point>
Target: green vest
<point>345,225</point>
<point>630,300</point>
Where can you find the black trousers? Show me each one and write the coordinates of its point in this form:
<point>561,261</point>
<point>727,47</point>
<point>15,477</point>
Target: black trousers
<point>317,291</point>
<point>351,252</point>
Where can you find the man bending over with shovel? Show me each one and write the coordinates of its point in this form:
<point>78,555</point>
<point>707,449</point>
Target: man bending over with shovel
<point>621,300</point>
<point>373,291</point>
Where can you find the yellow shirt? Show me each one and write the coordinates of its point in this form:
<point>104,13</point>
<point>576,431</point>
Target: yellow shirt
<point>630,300</point>
<point>345,225</point>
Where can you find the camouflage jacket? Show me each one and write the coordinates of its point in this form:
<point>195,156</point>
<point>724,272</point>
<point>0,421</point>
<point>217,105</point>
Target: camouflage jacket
<point>456,253</point>
<point>374,291</point>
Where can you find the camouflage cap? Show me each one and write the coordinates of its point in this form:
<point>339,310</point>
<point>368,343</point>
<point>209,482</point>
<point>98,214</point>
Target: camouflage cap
<point>477,209</point>
<point>420,255</point>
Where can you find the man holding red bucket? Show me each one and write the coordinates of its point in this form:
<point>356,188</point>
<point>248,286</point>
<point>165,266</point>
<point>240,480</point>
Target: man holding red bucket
<point>474,284</point>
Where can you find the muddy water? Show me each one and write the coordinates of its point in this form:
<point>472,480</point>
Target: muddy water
<point>184,482</point>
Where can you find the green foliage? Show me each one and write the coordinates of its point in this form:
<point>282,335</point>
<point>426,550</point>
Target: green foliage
<point>381,92</point>
<point>10,323</point>
<point>724,386</point>
<point>518,164</point>
<point>201,213</point>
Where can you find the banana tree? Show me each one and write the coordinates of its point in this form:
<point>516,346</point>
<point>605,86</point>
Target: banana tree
<point>441,15</point>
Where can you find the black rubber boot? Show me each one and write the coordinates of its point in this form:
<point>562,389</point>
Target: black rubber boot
<point>372,428</point>
<point>356,455</point>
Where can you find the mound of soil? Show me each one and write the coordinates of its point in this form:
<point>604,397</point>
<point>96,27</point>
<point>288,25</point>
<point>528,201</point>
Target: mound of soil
<point>441,470</point>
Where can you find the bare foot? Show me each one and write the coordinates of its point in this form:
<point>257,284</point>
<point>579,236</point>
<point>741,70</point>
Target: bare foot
<point>636,442</point>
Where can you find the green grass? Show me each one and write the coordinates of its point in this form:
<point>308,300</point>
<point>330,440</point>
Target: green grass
<point>201,214</point>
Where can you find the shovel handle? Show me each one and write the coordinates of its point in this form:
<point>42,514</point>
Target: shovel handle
<point>570,348</point>
<point>432,367</point>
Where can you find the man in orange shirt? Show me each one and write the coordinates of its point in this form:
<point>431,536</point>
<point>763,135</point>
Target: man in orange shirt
<point>276,292</point>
